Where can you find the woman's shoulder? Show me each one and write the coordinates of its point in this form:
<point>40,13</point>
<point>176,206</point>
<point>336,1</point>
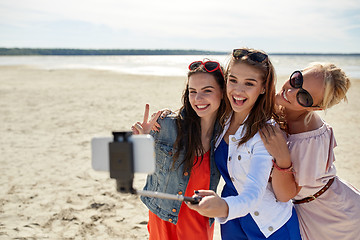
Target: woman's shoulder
<point>324,131</point>
<point>168,120</point>
<point>257,138</point>
<point>168,129</point>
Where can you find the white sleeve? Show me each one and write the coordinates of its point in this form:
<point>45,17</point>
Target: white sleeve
<point>254,186</point>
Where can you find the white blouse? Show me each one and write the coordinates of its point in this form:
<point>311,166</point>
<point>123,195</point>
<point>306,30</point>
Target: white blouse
<point>249,168</point>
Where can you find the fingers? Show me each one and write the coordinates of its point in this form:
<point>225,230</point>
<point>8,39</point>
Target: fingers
<point>268,129</point>
<point>134,130</point>
<point>137,128</point>
<point>272,129</point>
<point>156,127</point>
<point>192,206</point>
<point>204,193</point>
<point>277,129</point>
<point>146,113</point>
<point>211,205</point>
<point>149,125</point>
<point>263,135</point>
<point>153,115</point>
<point>267,132</point>
<point>155,118</point>
<point>165,112</point>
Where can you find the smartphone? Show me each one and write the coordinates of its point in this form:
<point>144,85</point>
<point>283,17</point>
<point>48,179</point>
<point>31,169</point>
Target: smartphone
<point>143,153</point>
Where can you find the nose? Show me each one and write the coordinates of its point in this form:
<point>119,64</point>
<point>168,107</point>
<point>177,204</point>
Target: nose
<point>290,89</point>
<point>287,84</point>
<point>240,88</point>
<point>291,93</point>
<point>198,96</point>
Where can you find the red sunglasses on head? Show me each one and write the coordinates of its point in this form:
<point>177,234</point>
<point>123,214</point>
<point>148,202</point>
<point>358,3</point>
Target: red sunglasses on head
<point>209,66</point>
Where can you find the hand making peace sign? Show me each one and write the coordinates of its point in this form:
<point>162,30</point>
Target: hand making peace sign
<point>146,126</point>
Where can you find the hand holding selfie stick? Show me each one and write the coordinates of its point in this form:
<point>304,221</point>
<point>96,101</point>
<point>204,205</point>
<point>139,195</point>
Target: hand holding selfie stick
<point>145,193</point>
<point>122,169</point>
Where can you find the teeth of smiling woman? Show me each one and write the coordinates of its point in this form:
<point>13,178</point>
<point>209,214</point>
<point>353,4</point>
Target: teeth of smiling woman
<point>284,95</point>
<point>239,98</point>
<point>202,106</point>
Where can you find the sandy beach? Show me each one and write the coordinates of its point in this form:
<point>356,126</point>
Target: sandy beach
<point>48,189</point>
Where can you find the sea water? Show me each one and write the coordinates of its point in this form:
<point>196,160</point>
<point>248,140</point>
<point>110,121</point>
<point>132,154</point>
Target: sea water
<point>174,65</point>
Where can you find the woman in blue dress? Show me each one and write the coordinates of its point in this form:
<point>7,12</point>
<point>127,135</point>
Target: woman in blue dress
<point>248,208</point>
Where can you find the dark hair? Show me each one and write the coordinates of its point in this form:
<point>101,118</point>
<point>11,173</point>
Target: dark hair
<point>264,106</point>
<point>188,122</point>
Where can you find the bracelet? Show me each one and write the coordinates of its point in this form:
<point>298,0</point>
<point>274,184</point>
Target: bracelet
<point>288,170</point>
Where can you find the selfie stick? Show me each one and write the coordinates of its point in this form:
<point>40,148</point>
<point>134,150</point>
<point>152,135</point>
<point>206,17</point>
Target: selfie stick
<point>145,193</point>
<point>122,169</point>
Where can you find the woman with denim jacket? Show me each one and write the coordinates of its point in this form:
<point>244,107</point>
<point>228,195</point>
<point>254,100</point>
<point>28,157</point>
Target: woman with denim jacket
<point>184,147</point>
<point>248,208</point>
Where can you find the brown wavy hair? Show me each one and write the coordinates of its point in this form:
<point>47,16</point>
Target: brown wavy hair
<point>188,123</point>
<point>264,107</point>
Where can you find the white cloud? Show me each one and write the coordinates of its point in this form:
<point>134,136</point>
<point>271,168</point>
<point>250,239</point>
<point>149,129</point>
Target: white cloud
<point>319,20</point>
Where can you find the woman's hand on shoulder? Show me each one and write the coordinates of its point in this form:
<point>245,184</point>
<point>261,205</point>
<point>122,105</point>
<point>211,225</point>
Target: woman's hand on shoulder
<point>147,125</point>
<point>211,205</point>
<point>276,144</point>
<point>165,112</point>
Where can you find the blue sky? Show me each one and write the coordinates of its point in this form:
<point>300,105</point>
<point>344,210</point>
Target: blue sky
<point>325,26</point>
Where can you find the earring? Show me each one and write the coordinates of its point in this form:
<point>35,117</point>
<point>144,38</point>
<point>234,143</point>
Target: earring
<point>263,91</point>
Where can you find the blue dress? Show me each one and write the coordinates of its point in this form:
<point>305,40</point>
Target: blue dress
<point>245,227</point>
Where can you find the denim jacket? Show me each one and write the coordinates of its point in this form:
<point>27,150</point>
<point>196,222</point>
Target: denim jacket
<point>168,179</point>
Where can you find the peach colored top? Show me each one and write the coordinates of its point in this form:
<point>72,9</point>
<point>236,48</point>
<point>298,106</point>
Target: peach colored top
<point>336,213</point>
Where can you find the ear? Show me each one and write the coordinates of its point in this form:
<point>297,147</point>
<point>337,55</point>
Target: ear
<point>263,91</point>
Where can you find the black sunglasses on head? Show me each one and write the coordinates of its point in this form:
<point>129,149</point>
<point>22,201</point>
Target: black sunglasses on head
<point>303,97</point>
<point>254,56</point>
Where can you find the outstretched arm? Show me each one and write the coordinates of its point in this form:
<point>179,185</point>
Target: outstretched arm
<point>283,181</point>
<point>251,191</point>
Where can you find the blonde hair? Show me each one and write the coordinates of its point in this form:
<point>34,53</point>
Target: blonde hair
<point>336,83</point>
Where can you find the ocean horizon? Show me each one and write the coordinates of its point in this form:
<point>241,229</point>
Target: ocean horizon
<point>122,52</point>
<point>175,65</point>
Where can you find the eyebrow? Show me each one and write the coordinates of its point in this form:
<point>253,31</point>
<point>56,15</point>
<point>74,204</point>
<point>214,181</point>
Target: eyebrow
<point>249,79</point>
<point>202,88</point>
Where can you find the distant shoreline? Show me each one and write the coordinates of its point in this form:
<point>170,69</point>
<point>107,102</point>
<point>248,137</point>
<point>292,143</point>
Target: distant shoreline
<point>122,52</point>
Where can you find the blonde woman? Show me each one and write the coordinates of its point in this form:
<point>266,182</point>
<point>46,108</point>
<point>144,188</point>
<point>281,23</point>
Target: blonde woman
<point>327,207</point>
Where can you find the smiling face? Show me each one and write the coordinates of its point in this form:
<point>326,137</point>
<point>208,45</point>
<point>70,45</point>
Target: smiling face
<point>205,94</point>
<point>313,83</point>
<point>243,87</point>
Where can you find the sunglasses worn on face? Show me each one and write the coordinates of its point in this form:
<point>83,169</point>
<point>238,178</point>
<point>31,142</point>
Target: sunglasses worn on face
<point>303,97</point>
<point>253,56</point>
<point>209,66</point>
